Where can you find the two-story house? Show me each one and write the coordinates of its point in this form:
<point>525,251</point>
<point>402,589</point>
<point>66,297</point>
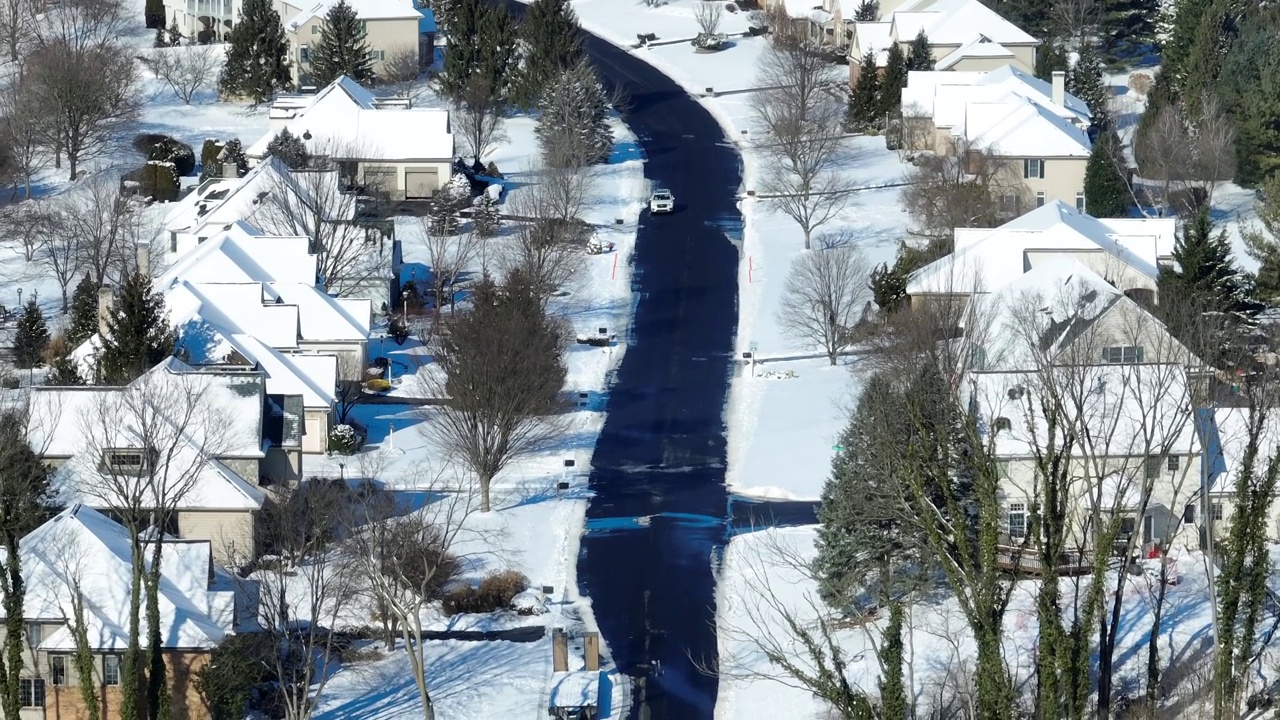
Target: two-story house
<point>391,27</point>
<point>1036,130</point>
<point>80,561</point>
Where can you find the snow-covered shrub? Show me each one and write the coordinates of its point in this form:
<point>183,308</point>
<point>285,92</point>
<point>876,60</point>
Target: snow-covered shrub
<point>398,329</point>
<point>163,148</point>
<point>495,592</point>
<point>710,41</point>
<point>155,180</point>
<point>344,440</point>
<point>458,189</point>
<point>378,385</point>
<point>491,170</point>
<point>486,219</point>
<point>529,602</point>
<point>1140,83</point>
<point>442,216</point>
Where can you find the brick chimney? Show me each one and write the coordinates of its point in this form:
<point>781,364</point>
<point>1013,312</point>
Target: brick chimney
<point>106,302</point>
<point>1060,88</point>
<point>143,250</point>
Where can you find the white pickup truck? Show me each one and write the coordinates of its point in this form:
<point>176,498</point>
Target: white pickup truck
<point>662,201</point>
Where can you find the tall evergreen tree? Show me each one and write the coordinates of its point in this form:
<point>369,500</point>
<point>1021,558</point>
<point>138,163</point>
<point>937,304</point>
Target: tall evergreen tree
<point>1187,15</point>
<point>1050,58</point>
<point>868,11</point>
<point>893,81</point>
<point>257,64</point>
<point>920,56</point>
<point>1106,192</point>
<point>342,49</point>
<point>175,35</point>
<point>1250,89</point>
<point>482,46</point>
<point>1085,81</point>
<point>893,693</point>
<point>1128,27</point>
<point>1215,35</point>
<point>553,44</point>
<point>866,101</point>
<point>138,335</point>
<point>289,149</point>
<point>573,120</point>
<point>31,337</point>
<point>83,321</point>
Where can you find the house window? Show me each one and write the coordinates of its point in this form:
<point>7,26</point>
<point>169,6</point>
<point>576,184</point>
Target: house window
<point>1123,355</point>
<point>58,669</point>
<point>1040,199</point>
<point>1003,423</point>
<point>377,54</point>
<point>304,54</point>
<point>315,29</point>
<point>1153,467</point>
<point>111,670</point>
<point>1033,168</point>
<point>126,461</point>
<point>1017,521</point>
<point>173,241</point>
<point>1002,469</point>
<point>32,692</point>
<point>1216,510</point>
<point>35,634</point>
<point>1126,527</point>
<point>1172,463</point>
<point>1080,201</point>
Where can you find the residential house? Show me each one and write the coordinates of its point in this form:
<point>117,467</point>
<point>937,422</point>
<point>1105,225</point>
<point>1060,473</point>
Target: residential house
<point>272,201</point>
<point>392,29</point>
<point>1127,252</point>
<point>203,21</point>
<point>401,153</point>
<point>1226,428</point>
<point>1059,338</point>
<point>190,439</point>
<point>80,554</point>
<point>1034,129</point>
<point>965,35</point>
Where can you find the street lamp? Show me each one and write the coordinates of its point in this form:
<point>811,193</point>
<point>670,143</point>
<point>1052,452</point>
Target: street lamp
<point>342,471</point>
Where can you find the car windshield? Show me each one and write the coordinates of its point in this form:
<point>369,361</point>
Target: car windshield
<point>662,195</point>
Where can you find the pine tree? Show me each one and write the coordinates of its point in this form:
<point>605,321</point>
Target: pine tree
<point>1251,89</point>
<point>1050,58</point>
<point>487,217</point>
<point>175,35</point>
<point>1128,27</point>
<point>868,11</point>
<point>138,335</point>
<point>342,49</point>
<point>31,337</point>
<point>153,14</point>
<point>83,321</point>
<point>1203,67</point>
<point>64,372</point>
<point>482,47</point>
<point>234,153</point>
<point>892,82</point>
<point>289,149</point>
<point>893,694</point>
<point>1187,15</point>
<point>866,100</point>
<point>920,56</point>
<point>888,287</point>
<point>162,38</point>
<point>1106,192</point>
<point>1085,81</point>
<point>257,62</point>
<point>573,120</point>
<point>553,45</point>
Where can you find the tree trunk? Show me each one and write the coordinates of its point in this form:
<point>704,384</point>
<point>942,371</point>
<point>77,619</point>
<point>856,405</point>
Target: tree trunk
<point>73,162</point>
<point>994,694</point>
<point>129,681</point>
<point>15,627</point>
<point>157,681</point>
<point>413,646</point>
<point>807,246</point>
<point>485,482</point>
<point>1153,642</point>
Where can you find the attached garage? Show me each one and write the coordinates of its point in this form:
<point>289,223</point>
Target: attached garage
<point>420,183</point>
<point>384,178</point>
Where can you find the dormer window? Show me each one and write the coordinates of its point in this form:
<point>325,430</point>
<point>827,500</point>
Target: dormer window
<point>1124,354</point>
<point>1003,423</point>
<point>128,460</point>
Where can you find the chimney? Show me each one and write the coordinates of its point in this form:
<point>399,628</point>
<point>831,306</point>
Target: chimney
<point>591,651</point>
<point>230,171</point>
<point>1059,88</point>
<point>143,250</point>
<point>106,302</point>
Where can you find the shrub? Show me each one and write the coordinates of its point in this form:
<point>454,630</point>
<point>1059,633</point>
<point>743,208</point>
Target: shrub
<point>710,41</point>
<point>550,231</point>
<point>378,385</point>
<point>209,166</point>
<point>235,668</point>
<point>493,594</point>
<point>155,180</point>
<point>491,170</point>
<point>163,148</point>
<point>398,329</point>
<point>1140,83</point>
<point>345,440</point>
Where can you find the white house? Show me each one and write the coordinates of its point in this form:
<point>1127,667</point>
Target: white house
<point>1127,252</point>
<point>405,153</point>
<point>1035,128</point>
<point>81,559</point>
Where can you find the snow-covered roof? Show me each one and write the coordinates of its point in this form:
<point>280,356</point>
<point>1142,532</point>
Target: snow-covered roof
<point>874,37</point>
<point>314,377</point>
<point>985,259</point>
<point>243,253</point>
<point>82,550</point>
<point>1023,128</point>
<point>945,96</point>
<point>979,47</point>
<point>340,124</point>
<point>955,22</point>
<point>226,201</point>
<point>365,10</point>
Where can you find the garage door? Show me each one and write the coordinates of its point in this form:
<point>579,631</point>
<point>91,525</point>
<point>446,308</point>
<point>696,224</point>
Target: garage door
<point>382,178</point>
<point>420,183</point>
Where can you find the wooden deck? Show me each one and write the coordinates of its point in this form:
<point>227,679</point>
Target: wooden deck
<point>1026,561</point>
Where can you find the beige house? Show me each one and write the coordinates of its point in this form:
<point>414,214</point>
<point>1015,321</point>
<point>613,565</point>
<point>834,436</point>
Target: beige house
<point>1037,130</point>
<point>83,552</point>
<point>386,148</point>
<point>392,27</point>
<point>965,35</point>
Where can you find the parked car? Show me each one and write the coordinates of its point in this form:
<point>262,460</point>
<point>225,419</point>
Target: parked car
<point>662,201</point>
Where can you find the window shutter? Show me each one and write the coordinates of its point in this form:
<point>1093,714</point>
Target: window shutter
<point>1026,168</point>
<point>1041,164</point>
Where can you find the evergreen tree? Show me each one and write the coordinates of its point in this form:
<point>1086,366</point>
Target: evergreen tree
<point>342,49</point>
<point>1216,33</point>
<point>83,321</point>
<point>893,693</point>
<point>487,217</point>
<point>892,82</point>
<point>866,101</point>
<point>1050,58</point>
<point>1106,192</point>
<point>63,372</point>
<point>553,45</point>
<point>1250,89</point>
<point>233,152</point>
<point>162,38</point>
<point>573,120</point>
<point>868,11</point>
<point>257,62</point>
<point>175,35</point>
<point>31,337</point>
<point>888,287</point>
<point>153,14</point>
<point>1085,81</point>
<point>920,56</point>
<point>138,335</point>
<point>482,47</point>
<point>289,149</point>
<point>1128,27</point>
<point>1187,15</point>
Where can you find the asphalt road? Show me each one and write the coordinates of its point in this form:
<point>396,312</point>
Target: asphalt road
<point>661,455</point>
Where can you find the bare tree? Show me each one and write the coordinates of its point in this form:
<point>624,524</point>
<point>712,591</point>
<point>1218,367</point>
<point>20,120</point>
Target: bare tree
<point>708,13</point>
<point>106,226</point>
<point>17,26</point>
<point>402,68</point>
<point>501,368</point>
<point>186,70</point>
<point>448,257</point>
<point>549,243</point>
<point>805,150</point>
<point>1187,150</point>
<point>31,223</point>
<point>86,77</point>
<point>59,252</point>
<point>479,116</point>
<point>964,188</point>
<point>319,203</point>
<point>409,558</point>
<point>824,295</point>
<point>66,554</point>
<point>21,126</point>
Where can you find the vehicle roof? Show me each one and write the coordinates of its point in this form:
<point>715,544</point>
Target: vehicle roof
<point>662,191</point>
